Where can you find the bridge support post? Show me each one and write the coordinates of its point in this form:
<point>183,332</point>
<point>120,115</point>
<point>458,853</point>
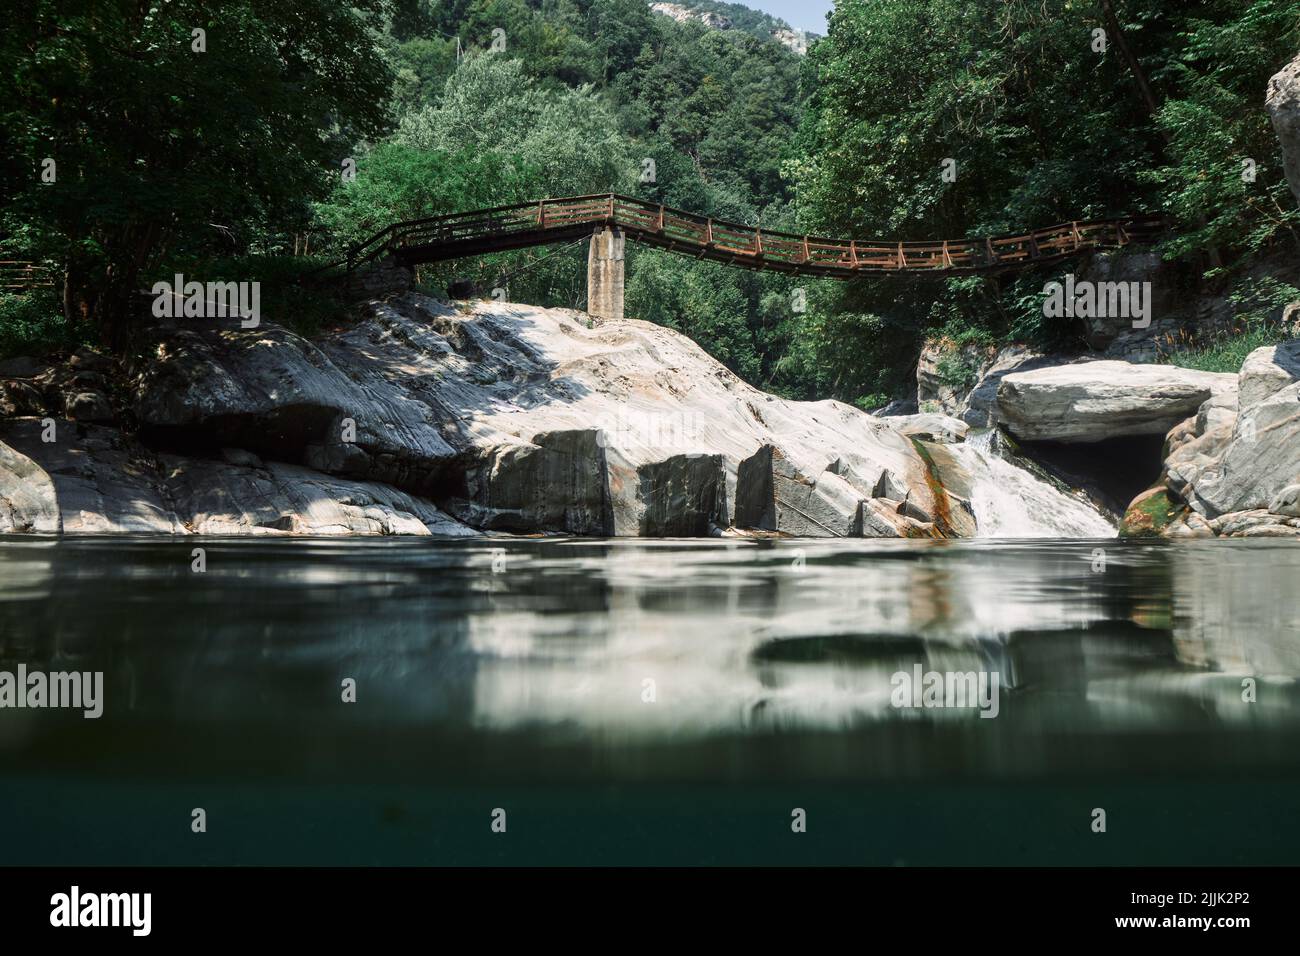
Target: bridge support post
<point>605,273</point>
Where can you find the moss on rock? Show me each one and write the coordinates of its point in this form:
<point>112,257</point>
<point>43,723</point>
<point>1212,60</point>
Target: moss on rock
<point>1150,513</point>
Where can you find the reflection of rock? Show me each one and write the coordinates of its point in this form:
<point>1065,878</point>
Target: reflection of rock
<point>1231,614</point>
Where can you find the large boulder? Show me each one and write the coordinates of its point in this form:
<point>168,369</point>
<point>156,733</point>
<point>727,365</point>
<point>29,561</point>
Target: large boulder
<point>27,499</point>
<point>513,418</point>
<point>1234,467</point>
<point>772,494</point>
<point>95,480</point>
<point>1267,371</point>
<point>243,495</point>
<point>1094,401</point>
<point>1260,457</point>
<point>1283,104</point>
<point>976,409</point>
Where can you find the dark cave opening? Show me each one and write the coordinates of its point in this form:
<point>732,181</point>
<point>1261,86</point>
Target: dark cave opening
<point>1113,471</point>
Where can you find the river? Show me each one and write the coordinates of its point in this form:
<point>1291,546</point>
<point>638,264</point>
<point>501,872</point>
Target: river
<point>668,702</point>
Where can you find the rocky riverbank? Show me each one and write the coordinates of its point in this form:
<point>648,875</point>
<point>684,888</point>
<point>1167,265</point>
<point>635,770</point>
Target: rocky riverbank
<point>428,418</point>
<point>1229,463</point>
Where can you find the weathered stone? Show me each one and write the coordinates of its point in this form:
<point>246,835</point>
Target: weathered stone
<point>1150,514</point>
<point>977,408</point>
<point>1261,458</point>
<point>21,366</point>
<point>945,372</point>
<point>899,406</point>
<point>931,428</point>
<point>684,496</point>
<point>1189,524</point>
<point>95,480</point>
<point>1115,333</point>
<point>524,419</point>
<point>224,498</point>
<point>1283,104</point>
<point>88,407</point>
<point>104,483</point>
<point>1266,371</point>
<point>27,498</point>
<point>239,456</point>
<point>1189,462</point>
<point>1217,411</point>
<point>773,495</point>
<point>951,513</point>
<point>1254,523</point>
<point>1093,401</point>
<point>558,482</point>
<point>88,359</point>
<point>1286,502</point>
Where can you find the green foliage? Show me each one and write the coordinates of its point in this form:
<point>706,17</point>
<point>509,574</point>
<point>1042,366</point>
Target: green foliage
<point>155,142</point>
<point>1042,129</point>
<point>395,182</point>
<point>33,324</point>
<point>1221,58</point>
<point>701,299</point>
<point>567,137</point>
<point>1258,305</point>
<point>225,171</point>
<point>306,308</point>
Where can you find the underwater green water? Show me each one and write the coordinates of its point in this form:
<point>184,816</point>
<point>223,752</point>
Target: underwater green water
<point>652,702</point>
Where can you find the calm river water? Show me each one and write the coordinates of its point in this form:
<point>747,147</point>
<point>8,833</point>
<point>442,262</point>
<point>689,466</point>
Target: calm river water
<point>662,702</point>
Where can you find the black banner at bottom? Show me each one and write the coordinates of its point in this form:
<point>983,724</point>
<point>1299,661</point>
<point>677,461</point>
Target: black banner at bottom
<point>335,905</point>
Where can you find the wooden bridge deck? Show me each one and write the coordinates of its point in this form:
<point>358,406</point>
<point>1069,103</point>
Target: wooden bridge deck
<point>554,220</point>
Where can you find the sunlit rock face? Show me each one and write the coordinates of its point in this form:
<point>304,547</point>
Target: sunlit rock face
<point>1233,469</point>
<point>97,480</point>
<point>1094,401</point>
<point>1283,104</point>
<point>523,419</point>
<point>424,416</point>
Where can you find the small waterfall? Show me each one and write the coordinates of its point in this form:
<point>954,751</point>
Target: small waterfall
<point>1013,502</point>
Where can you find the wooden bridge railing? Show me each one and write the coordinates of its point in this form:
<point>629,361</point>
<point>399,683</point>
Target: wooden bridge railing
<point>552,220</point>
<point>19,276</point>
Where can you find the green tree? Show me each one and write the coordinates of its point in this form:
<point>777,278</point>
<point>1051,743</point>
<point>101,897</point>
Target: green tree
<point>159,133</point>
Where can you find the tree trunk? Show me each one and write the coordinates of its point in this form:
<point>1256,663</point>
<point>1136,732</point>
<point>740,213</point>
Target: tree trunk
<point>1145,93</point>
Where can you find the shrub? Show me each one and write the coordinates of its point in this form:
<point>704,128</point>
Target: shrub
<point>32,323</point>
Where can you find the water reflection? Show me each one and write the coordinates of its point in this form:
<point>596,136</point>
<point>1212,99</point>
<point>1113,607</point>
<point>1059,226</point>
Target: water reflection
<point>634,657</point>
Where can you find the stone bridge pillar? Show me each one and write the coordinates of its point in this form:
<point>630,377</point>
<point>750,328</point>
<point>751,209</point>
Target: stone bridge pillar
<point>605,273</point>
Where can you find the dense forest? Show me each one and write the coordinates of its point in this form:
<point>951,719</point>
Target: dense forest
<point>253,139</point>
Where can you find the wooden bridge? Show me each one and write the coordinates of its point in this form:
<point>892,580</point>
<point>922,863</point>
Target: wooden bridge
<point>554,220</point>
<point>609,219</point>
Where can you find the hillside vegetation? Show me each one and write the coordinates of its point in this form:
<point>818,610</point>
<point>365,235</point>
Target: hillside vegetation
<point>236,160</point>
